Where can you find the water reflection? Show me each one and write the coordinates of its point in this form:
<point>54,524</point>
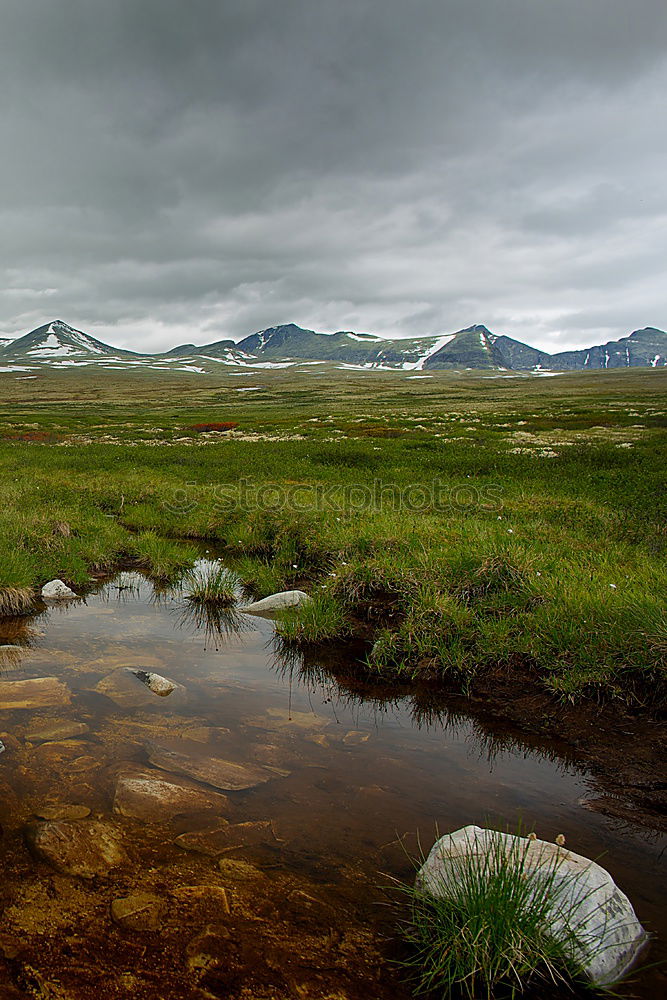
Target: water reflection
<point>217,624</point>
<point>338,680</point>
<point>126,587</point>
<point>16,636</point>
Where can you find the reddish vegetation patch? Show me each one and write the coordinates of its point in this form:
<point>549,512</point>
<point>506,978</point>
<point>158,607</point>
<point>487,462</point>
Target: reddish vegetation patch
<point>228,425</point>
<point>37,437</point>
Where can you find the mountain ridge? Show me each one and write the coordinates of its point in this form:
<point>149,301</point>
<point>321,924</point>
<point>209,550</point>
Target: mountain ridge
<point>474,347</point>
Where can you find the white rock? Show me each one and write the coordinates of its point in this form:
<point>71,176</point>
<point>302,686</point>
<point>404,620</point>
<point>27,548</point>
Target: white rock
<point>585,897</point>
<point>278,602</point>
<point>155,682</point>
<point>56,590</point>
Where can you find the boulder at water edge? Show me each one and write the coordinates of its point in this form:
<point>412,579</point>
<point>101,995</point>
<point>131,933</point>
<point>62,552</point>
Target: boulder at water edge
<point>278,602</point>
<point>586,900</point>
<point>56,590</point>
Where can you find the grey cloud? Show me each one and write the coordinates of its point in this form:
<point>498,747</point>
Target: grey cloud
<point>189,171</point>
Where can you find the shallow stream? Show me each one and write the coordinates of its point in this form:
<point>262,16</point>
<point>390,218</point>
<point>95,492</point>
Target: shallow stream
<point>348,783</point>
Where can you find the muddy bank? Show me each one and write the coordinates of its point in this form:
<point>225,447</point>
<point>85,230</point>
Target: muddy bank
<point>625,751</point>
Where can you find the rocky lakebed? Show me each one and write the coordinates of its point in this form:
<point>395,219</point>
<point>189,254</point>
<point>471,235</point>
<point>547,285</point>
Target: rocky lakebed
<point>187,813</point>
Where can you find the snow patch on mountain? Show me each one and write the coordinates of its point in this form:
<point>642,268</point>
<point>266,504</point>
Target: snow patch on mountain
<point>440,343</point>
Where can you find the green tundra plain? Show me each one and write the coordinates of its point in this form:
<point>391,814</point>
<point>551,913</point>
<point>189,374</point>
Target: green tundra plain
<point>455,524</point>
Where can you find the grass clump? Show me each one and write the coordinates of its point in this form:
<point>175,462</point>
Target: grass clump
<point>16,600</point>
<point>483,926</point>
<point>261,577</point>
<point>210,583</point>
<point>162,558</point>
<point>322,619</point>
<point>16,569</point>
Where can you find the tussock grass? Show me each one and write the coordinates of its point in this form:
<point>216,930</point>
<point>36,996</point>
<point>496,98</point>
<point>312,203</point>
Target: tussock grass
<point>16,600</point>
<point>487,929</point>
<point>210,583</point>
<point>322,619</point>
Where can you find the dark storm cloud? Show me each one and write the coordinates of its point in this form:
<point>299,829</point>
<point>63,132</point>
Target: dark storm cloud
<point>188,171</point>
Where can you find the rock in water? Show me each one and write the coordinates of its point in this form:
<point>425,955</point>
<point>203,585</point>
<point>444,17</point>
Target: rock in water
<point>586,900</point>
<point>200,903</point>
<point>59,729</point>
<point>56,590</point>
<point>143,912</point>
<point>227,838</point>
<point>38,692</point>
<point>77,847</point>
<point>133,688</point>
<point>278,602</point>
<point>224,774</point>
<point>57,811</point>
<point>157,797</point>
<point>156,683</point>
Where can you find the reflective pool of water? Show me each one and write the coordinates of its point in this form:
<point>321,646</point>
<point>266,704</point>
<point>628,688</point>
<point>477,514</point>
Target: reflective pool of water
<point>336,790</point>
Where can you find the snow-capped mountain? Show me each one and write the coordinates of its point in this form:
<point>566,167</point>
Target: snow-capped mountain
<point>58,345</point>
<point>57,340</point>
<point>292,342</point>
<point>646,348</point>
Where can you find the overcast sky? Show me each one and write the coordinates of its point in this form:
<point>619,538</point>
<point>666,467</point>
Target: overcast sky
<point>188,170</point>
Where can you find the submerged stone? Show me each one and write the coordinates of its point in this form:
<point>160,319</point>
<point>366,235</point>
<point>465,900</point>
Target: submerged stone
<point>277,602</point>
<point>132,688</point>
<point>282,718</point>
<point>38,692</point>
<point>10,656</point>
<point>226,838</point>
<point>590,915</point>
<point>85,848</point>
<point>224,774</point>
<point>156,683</point>
<point>141,912</point>
<point>58,730</point>
<point>9,741</point>
<point>152,796</point>
<point>58,811</point>
<point>201,903</point>
<point>209,950</point>
<point>355,738</point>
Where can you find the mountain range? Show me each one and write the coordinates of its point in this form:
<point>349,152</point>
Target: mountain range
<point>59,345</point>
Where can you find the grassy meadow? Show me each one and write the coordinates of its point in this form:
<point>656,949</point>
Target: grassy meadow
<point>459,524</point>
